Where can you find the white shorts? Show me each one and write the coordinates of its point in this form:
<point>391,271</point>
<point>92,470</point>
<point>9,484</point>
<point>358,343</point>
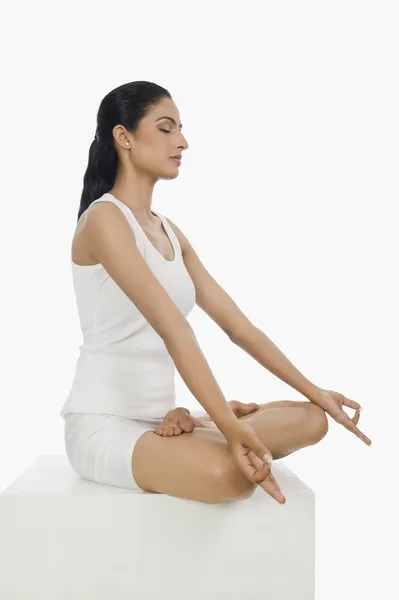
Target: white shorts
<point>100,447</point>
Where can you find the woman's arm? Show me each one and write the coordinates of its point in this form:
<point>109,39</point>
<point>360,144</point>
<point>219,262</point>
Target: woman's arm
<point>220,307</point>
<point>262,349</point>
<point>112,242</point>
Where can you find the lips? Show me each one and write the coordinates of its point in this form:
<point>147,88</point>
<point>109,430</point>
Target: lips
<point>177,156</point>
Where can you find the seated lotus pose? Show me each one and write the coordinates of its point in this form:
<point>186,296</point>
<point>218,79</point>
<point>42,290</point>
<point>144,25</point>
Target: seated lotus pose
<point>136,278</point>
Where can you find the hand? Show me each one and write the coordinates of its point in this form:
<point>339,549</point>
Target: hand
<point>332,403</point>
<point>248,452</point>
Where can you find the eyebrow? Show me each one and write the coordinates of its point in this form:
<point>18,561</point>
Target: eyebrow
<point>170,119</point>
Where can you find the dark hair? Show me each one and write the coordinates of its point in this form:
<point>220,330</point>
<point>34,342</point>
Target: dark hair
<point>125,105</point>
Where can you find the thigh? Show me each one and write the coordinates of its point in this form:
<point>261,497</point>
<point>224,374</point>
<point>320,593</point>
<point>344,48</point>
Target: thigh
<point>196,466</point>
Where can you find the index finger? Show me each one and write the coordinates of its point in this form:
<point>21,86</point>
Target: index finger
<point>351,403</point>
<point>270,487</point>
<point>259,464</point>
<point>261,475</point>
<point>352,427</point>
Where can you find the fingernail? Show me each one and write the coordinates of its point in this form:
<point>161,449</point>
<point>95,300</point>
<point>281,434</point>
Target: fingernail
<point>361,408</point>
<point>267,458</point>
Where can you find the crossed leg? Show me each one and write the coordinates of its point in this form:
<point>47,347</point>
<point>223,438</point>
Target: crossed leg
<point>199,466</point>
<point>284,431</point>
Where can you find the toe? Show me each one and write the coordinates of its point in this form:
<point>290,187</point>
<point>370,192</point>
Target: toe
<point>234,403</point>
<point>187,424</point>
<point>245,409</point>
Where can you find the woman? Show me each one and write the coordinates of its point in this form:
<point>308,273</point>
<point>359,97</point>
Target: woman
<point>136,278</point>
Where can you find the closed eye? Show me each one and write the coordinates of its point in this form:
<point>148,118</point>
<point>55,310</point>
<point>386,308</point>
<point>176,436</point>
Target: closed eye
<point>165,130</point>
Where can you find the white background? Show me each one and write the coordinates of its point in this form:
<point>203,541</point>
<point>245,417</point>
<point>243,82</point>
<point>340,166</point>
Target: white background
<point>287,192</point>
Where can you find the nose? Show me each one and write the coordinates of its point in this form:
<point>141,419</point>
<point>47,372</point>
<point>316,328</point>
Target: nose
<point>184,145</point>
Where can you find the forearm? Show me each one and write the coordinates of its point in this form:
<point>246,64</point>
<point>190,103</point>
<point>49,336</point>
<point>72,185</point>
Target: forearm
<point>264,351</point>
<point>197,375</point>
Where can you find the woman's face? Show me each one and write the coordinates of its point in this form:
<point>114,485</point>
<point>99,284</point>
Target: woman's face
<point>157,138</point>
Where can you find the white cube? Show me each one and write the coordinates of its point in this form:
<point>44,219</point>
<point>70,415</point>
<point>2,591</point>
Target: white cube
<point>65,538</point>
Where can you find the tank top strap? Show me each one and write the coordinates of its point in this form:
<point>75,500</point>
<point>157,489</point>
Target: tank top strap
<point>171,233</point>
<point>140,238</point>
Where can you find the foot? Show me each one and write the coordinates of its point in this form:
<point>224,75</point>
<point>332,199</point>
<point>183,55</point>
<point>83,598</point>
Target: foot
<point>240,409</point>
<point>177,421</point>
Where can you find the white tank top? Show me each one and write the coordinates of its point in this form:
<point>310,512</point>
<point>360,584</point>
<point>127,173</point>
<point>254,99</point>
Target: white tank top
<point>124,367</point>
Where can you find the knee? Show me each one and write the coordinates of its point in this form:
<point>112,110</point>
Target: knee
<point>318,422</point>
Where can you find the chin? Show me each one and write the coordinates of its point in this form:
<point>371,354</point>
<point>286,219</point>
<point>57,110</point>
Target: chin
<point>171,174</point>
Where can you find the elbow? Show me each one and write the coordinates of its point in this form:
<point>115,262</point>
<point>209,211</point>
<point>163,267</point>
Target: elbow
<point>177,331</point>
<point>242,333</point>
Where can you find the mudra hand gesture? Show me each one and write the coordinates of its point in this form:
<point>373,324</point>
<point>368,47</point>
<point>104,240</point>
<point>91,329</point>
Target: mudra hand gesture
<point>252,458</point>
<point>332,402</point>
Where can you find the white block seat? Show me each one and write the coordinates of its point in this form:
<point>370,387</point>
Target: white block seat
<point>66,538</point>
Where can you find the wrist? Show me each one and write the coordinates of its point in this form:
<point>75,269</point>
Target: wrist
<point>314,393</point>
<point>229,425</point>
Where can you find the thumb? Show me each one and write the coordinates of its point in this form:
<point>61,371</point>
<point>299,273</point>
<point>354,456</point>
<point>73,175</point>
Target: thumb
<point>262,452</point>
<point>267,457</point>
<point>259,449</point>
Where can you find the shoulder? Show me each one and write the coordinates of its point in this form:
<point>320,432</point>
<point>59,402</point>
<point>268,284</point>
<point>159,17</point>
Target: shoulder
<point>96,219</point>
<point>106,223</point>
<point>101,208</point>
<point>102,215</point>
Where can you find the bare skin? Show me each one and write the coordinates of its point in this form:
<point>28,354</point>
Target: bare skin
<point>200,467</point>
<point>179,420</point>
